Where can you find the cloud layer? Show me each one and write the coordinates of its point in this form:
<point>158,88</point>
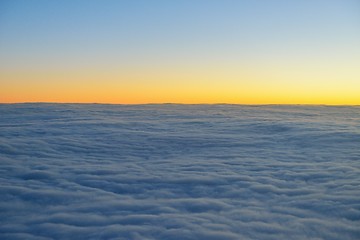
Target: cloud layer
<point>179,172</point>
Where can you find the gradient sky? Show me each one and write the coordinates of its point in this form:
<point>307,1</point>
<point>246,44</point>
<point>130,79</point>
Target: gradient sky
<point>185,51</point>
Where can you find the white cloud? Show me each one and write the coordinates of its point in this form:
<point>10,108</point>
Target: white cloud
<point>179,172</point>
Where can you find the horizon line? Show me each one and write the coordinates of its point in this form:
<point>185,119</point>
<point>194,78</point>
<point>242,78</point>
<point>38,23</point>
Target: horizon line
<point>180,103</point>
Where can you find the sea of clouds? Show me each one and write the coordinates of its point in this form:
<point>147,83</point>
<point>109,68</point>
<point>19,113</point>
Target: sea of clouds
<point>90,171</point>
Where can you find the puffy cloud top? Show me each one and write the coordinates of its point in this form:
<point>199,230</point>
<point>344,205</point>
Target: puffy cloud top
<point>179,172</point>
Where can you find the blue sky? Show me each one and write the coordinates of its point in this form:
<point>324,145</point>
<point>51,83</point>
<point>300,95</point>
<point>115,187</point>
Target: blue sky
<point>67,35</point>
<point>112,28</point>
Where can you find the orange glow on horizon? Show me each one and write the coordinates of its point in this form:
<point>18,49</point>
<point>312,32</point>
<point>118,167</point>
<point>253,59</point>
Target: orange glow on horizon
<point>271,84</point>
<point>235,88</point>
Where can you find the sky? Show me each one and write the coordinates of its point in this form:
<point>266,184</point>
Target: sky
<point>198,51</point>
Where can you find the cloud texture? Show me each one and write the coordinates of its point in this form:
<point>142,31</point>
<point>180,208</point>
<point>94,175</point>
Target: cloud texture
<point>81,171</point>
